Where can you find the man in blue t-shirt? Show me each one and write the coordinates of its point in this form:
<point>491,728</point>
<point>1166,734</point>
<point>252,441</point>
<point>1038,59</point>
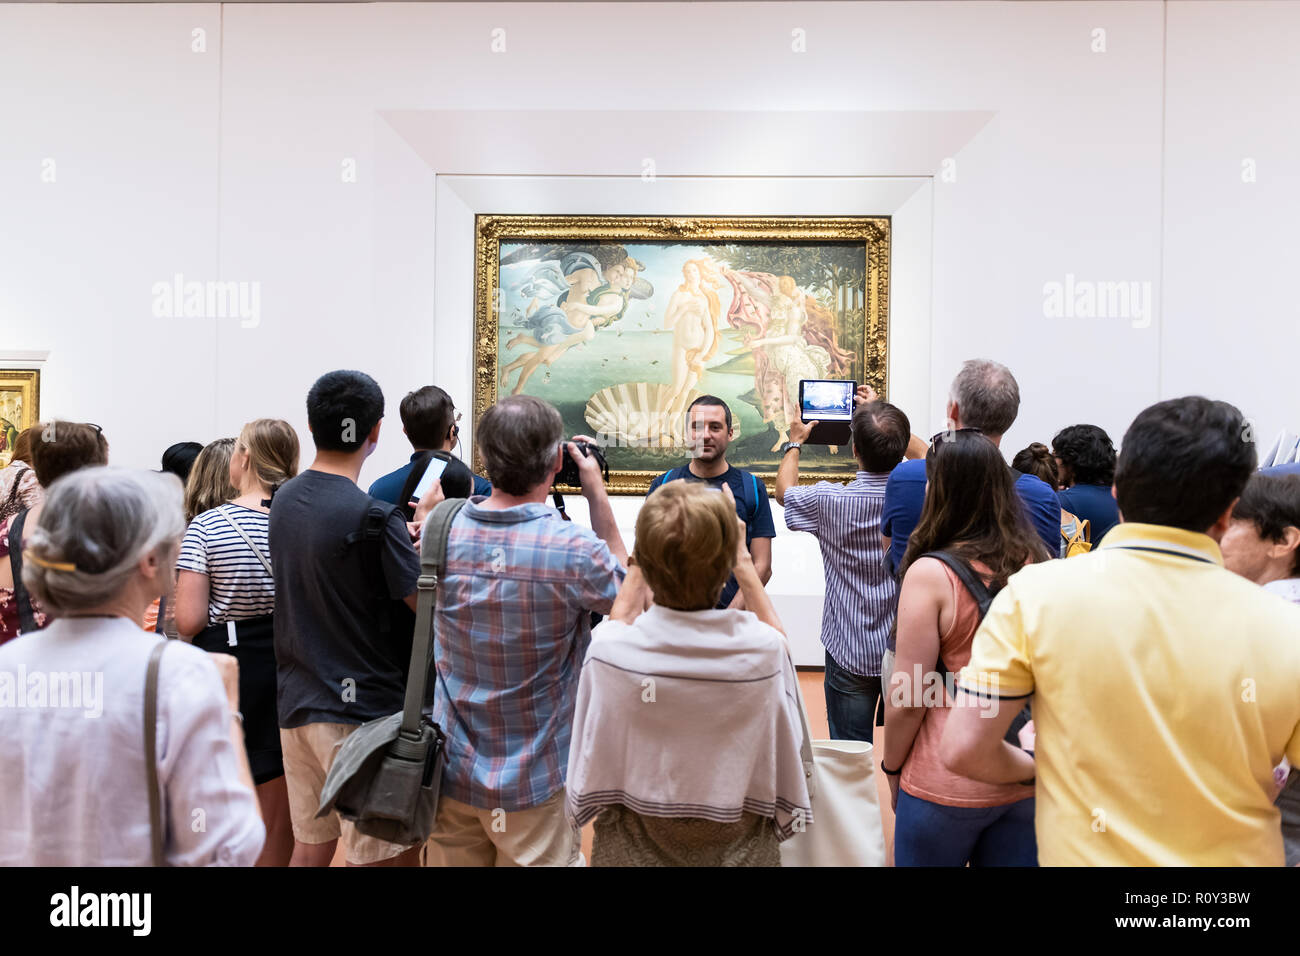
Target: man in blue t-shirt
<point>984,396</point>
<point>708,432</point>
<point>429,422</point>
<point>1085,461</point>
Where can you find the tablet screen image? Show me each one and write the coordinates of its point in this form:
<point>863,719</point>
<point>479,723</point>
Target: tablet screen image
<point>827,401</point>
<point>431,474</point>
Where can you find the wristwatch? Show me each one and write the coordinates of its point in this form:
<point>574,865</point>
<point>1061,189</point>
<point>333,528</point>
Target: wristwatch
<point>790,444</point>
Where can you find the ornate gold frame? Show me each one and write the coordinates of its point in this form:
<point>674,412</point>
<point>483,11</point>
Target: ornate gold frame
<point>28,381</point>
<point>491,230</point>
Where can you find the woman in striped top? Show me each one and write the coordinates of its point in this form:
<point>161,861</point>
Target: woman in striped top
<point>207,484</point>
<point>225,596</point>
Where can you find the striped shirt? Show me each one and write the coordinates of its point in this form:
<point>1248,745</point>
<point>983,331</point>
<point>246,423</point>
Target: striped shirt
<point>861,593</point>
<point>513,626</point>
<point>238,585</point>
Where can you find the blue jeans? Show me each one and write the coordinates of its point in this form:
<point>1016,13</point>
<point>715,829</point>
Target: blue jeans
<point>931,834</point>
<point>851,702</point>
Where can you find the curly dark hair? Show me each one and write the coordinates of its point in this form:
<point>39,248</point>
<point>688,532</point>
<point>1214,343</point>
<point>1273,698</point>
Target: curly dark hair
<point>1088,454</point>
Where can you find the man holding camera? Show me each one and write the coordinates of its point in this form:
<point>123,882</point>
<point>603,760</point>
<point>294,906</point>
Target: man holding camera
<point>513,625</point>
<point>708,433</point>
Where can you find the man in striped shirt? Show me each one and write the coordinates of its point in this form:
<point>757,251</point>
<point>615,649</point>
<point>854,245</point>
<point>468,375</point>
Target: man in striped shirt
<point>861,592</point>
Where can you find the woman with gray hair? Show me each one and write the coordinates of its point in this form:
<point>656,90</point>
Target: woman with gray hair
<point>78,782</point>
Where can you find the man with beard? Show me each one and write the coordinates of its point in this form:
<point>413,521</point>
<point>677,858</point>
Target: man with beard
<point>708,432</point>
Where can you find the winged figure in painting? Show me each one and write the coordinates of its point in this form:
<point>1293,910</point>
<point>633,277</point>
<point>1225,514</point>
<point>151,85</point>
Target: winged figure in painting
<point>573,292</point>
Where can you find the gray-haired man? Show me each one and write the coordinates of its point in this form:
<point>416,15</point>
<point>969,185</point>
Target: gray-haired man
<point>984,396</point>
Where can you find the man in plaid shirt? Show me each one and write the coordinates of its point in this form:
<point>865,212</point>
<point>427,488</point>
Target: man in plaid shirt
<point>513,626</point>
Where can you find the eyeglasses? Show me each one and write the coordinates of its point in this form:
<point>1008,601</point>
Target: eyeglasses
<point>947,434</point>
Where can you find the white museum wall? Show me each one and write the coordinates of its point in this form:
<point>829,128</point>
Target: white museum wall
<point>226,164</point>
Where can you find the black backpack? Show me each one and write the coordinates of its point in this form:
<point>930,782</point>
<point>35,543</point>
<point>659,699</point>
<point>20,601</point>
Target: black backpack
<point>983,599</point>
<point>457,480</point>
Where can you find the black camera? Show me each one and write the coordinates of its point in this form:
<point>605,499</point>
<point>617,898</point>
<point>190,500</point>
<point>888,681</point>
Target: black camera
<point>569,472</point>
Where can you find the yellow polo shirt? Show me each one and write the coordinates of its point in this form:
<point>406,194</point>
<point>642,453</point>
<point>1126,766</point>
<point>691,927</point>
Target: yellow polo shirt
<point>1165,690</point>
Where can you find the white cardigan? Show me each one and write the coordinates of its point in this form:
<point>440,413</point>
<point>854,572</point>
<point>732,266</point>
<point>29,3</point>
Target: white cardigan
<point>72,771</point>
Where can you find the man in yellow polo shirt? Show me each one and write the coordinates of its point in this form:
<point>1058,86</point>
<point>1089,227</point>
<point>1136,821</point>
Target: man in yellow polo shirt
<point>1165,688</point>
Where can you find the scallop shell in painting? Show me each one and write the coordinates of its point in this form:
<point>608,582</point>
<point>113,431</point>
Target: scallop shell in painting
<point>633,414</point>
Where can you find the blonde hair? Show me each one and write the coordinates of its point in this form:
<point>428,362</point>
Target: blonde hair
<point>272,447</point>
<point>209,483</point>
<point>686,540</point>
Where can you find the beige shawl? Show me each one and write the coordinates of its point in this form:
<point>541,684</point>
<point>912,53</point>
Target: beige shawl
<point>689,714</point>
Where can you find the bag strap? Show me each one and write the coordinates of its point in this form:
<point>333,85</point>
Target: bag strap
<point>983,598</point>
<point>248,541</point>
<point>369,536</point>
<point>433,557</point>
<point>151,751</point>
<point>679,472</point>
<point>418,467</point>
<point>26,614</point>
<point>967,576</point>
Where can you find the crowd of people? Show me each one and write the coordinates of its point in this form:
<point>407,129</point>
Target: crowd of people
<point>1083,657</point>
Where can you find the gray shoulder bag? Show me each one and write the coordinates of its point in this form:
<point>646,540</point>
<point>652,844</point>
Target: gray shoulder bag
<point>387,775</point>
<point>151,752</point>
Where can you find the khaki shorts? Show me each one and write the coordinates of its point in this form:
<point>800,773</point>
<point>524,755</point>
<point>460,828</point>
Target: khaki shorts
<point>308,753</point>
<point>467,836</point>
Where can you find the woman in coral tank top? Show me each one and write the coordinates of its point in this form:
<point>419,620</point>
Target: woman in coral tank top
<point>973,516</point>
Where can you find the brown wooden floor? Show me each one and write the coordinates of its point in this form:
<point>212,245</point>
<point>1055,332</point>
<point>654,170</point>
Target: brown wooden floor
<point>815,699</point>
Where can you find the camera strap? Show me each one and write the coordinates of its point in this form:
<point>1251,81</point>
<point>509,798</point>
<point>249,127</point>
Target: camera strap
<point>559,505</point>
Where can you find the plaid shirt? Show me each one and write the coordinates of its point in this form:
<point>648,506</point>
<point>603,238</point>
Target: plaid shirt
<point>513,625</point>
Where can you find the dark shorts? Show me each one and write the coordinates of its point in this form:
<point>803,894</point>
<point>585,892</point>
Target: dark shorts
<point>254,648</point>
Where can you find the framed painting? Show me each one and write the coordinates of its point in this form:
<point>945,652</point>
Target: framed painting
<point>20,406</point>
<point>620,322</point>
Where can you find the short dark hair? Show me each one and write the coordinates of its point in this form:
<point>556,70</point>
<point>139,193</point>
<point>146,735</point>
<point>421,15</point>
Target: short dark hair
<point>64,447</point>
<point>178,459</point>
<point>710,400</point>
<point>342,407</point>
<point>427,415</point>
<point>1183,462</point>
<point>1272,504</point>
<point>880,435</point>
<point>518,438</point>
<point>1088,452</point>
